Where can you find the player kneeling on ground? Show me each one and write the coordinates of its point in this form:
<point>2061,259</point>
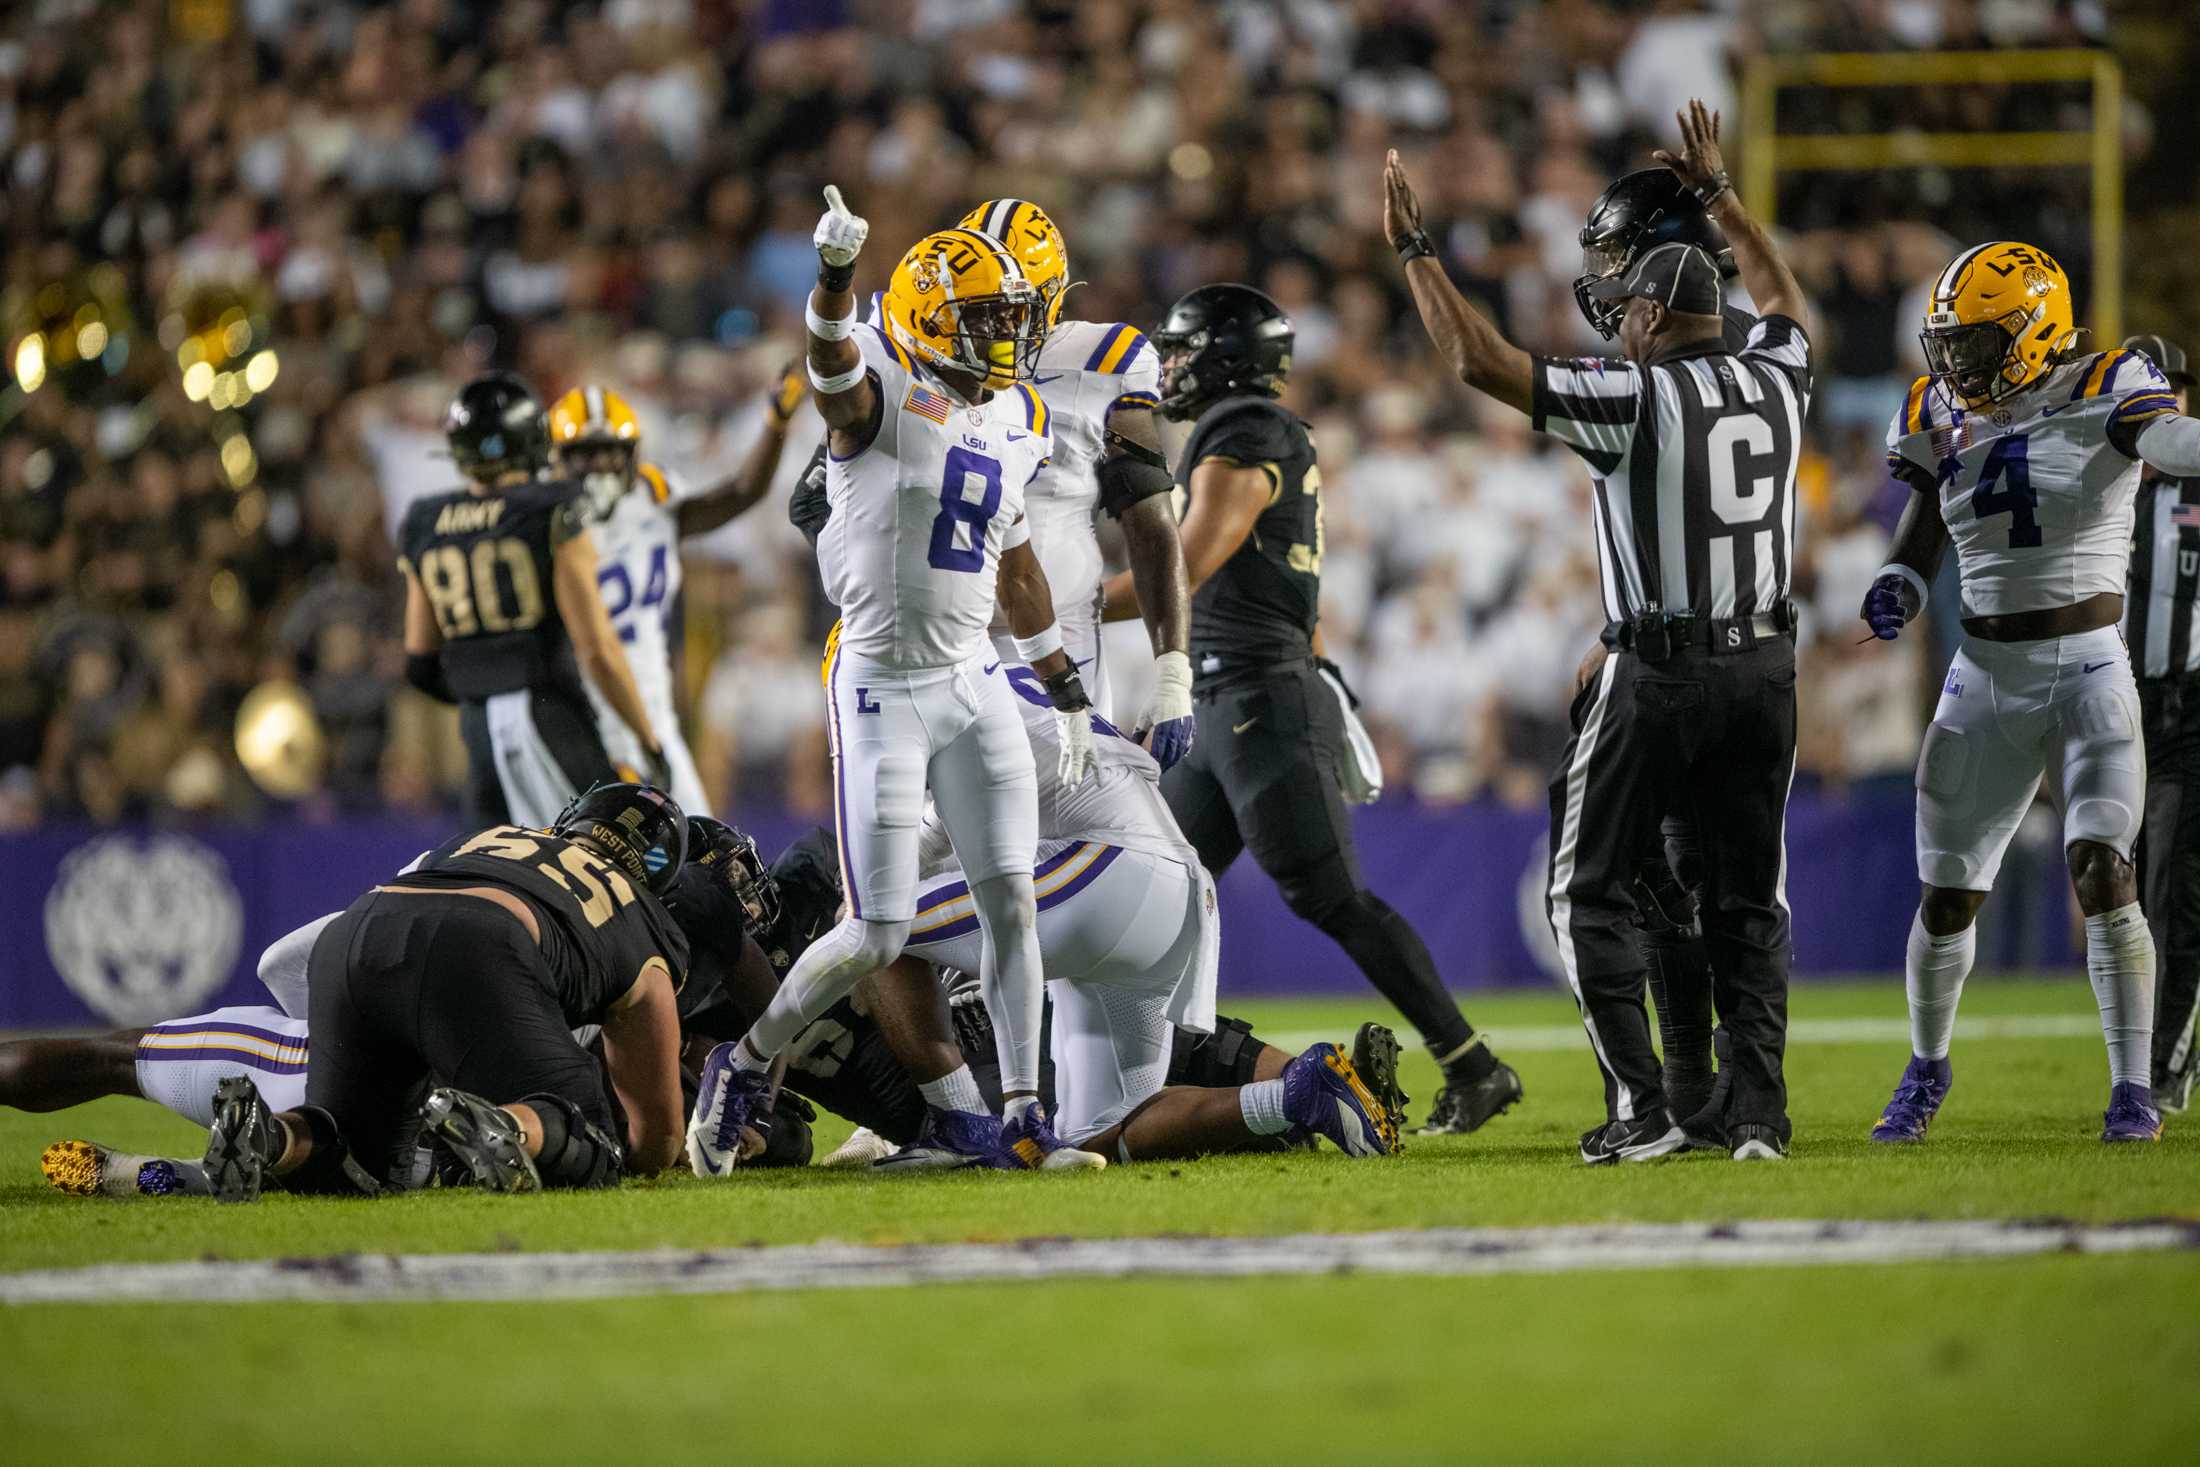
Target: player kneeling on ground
<point>474,969</point>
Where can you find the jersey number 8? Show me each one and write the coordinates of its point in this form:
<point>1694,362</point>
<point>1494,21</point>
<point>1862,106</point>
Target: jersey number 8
<point>956,509</point>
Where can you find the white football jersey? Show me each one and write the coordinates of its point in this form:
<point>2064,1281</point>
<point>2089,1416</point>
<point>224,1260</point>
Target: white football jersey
<point>2036,490</point>
<point>920,517</point>
<point>1086,370</point>
<point>1119,804</point>
<point>638,572</point>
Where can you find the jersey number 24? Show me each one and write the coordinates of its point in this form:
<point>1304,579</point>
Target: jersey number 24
<point>618,590</point>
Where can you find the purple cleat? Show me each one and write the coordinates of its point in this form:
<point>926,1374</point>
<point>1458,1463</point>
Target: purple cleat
<point>1030,1137</point>
<point>726,1099</point>
<point>951,1141</point>
<point>2131,1115</point>
<point>1925,1086</point>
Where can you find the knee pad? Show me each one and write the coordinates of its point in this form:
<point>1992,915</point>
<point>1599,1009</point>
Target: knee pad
<point>1218,1061</point>
<point>575,1151</point>
<point>1324,894</point>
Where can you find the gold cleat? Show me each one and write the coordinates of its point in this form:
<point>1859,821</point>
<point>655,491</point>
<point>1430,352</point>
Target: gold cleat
<point>88,1169</point>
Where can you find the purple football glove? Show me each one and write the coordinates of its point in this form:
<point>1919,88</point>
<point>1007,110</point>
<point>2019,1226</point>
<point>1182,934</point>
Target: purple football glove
<point>1887,606</point>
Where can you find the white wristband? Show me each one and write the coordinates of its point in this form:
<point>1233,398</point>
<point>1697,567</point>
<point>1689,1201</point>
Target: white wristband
<point>826,329</point>
<point>1031,649</point>
<point>1917,582</point>
<point>839,382</point>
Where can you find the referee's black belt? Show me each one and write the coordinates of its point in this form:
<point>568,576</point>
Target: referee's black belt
<point>1656,635</point>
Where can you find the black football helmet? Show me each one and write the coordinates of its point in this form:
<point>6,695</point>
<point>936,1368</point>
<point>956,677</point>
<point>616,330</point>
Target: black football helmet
<point>732,856</point>
<point>637,825</point>
<point>1227,340</point>
<point>496,426</point>
<point>1639,210</point>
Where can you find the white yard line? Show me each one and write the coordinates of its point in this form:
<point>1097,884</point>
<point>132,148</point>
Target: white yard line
<point>1534,1038</point>
<point>1446,1252</point>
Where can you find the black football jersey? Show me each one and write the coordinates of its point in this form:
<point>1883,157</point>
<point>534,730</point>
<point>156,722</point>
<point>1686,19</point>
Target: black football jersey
<point>1261,605</point>
<point>485,562</point>
<point>602,928</point>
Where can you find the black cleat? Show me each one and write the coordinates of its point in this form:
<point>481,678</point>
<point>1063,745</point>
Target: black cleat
<point>244,1141</point>
<point>1646,1138</point>
<point>1375,1058</point>
<point>483,1138</point>
<point>1757,1143</point>
<point>1468,1105</point>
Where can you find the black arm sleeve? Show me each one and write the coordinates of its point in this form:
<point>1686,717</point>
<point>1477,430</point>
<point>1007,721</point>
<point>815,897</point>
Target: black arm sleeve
<point>1129,475</point>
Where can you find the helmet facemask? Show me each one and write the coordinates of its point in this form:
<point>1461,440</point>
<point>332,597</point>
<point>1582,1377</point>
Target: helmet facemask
<point>994,337</point>
<point>604,466</point>
<point>1602,258</point>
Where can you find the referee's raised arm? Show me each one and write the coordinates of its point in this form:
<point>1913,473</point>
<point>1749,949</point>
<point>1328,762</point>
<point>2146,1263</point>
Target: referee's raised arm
<point>1477,351</point>
<point>1701,168</point>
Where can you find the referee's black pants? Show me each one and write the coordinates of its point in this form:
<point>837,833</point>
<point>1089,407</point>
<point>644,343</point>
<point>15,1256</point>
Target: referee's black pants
<point>1711,738</point>
<point>1262,777</point>
<point>2169,866</point>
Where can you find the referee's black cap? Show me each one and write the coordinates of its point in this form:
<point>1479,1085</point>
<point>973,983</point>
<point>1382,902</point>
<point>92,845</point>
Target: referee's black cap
<point>2168,357</point>
<point>1678,276</point>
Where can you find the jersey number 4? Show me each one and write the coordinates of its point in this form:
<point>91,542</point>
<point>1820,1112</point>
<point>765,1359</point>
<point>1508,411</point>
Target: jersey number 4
<point>2005,486</point>
<point>956,508</point>
<point>618,590</point>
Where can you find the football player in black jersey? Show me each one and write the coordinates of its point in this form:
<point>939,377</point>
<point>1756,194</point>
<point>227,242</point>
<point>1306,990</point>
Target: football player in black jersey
<point>503,616</point>
<point>1263,773</point>
<point>1637,213</point>
<point>470,973</point>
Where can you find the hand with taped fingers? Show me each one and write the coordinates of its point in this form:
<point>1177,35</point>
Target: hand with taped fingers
<point>840,232</point>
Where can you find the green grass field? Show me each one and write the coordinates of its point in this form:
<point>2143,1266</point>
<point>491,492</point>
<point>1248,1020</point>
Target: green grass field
<point>2035,1360</point>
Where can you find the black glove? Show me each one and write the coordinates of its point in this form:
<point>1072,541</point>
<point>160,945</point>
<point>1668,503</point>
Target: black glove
<point>807,507</point>
<point>1323,664</point>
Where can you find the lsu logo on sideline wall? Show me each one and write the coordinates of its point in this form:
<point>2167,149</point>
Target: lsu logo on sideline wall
<point>143,929</point>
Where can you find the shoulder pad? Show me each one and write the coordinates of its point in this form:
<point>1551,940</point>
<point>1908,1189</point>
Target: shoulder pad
<point>1917,407</point>
<point>660,489</point>
<point>1116,348</point>
<point>1031,407</point>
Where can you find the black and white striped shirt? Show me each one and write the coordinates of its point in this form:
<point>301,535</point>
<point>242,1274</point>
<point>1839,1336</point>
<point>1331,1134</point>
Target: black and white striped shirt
<point>1694,458</point>
<point>2165,579</point>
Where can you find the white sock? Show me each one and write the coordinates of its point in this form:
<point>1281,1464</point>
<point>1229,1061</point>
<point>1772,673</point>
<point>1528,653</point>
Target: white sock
<point>1015,1106</point>
<point>2119,958</point>
<point>1934,974</point>
<point>955,1090</point>
<point>1261,1103</point>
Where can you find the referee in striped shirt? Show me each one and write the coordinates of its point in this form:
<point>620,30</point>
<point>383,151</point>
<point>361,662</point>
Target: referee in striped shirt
<point>2161,619</point>
<point>1693,448</point>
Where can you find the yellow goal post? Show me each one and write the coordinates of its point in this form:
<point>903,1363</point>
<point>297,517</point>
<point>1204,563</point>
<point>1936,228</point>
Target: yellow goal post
<point>2097,149</point>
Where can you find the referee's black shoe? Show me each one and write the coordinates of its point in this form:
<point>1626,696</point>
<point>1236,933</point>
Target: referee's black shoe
<point>1464,1105</point>
<point>1645,1138</point>
<point>1757,1143</point>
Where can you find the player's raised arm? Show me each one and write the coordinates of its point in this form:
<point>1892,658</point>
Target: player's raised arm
<point>1701,168</point>
<point>1029,603</point>
<point>1474,347</point>
<point>595,641</point>
<point>733,497</point>
<point>846,398</point>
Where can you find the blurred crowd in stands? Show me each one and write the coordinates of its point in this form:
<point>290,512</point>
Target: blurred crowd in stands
<point>250,247</point>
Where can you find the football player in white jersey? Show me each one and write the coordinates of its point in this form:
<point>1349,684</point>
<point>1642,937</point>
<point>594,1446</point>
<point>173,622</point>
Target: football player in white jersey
<point>1101,382</point>
<point>934,437</point>
<point>2025,453</point>
<point>641,516</point>
<point>1128,924</point>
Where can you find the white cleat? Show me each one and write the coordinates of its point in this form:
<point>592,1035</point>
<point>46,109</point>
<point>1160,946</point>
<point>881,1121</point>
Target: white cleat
<point>861,1149</point>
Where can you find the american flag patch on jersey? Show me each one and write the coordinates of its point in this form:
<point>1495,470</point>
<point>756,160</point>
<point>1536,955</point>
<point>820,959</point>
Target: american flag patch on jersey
<point>2185,516</point>
<point>926,403</point>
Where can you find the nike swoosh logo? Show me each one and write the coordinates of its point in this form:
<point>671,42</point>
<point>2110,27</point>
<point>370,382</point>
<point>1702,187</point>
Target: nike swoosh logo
<point>2097,666</point>
<point>1248,723</point>
<point>1018,437</point>
<point>1037,381</point>
<point>996,667</point>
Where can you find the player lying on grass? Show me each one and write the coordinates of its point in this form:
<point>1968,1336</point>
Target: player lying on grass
<point>746,926</point>
<point>2025,452</point>
<point>468,974</point>
<point>1129,936</point>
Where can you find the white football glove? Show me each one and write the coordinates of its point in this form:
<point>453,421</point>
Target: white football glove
<point>1166,728</point>
<point>1076,733</point>
<point>840,234</point>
